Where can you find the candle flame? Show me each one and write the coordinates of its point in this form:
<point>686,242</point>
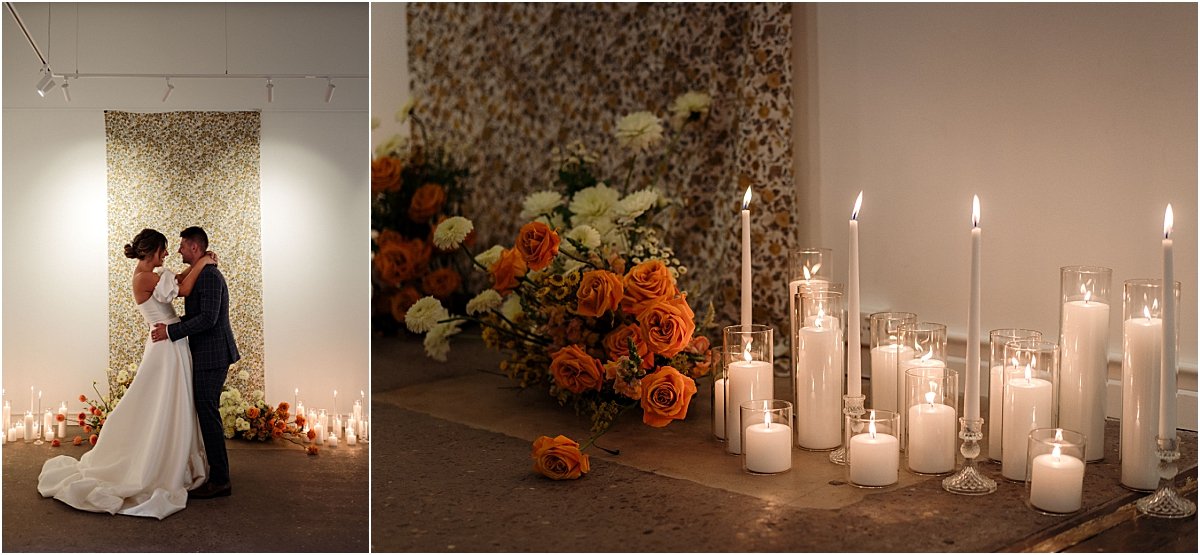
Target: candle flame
<point>927,356</point>
<point>1146,312</point>
<point>1058,435</point>
<point>929,397</point>
<point>746,352</point>
<point>1057,453</point>
<point>1086,290</point>
<point>857,206</point>
<point>871,426</point>
<point>746,200</point>
<point>820,316</point>
<point>807,274</point>
<point>975,211</point>
<point>1168,222</point>
<point>1028,374</point>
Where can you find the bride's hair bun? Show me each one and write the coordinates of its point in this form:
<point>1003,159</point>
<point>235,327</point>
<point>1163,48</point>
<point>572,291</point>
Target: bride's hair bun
<point>146,243</point>
<point>129,251</point>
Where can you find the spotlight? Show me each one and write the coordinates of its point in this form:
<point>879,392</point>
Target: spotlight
<point>270,91</point>
<point>329,90</point>
<point>66,89</point>
<point>45,84</point>
<point>170,88</point>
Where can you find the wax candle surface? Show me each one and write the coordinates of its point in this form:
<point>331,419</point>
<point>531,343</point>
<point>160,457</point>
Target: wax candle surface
<point>995,420</point>
<point>819,385</point>
<point>854,340</point>
<point>971,394</point>
<point>932,429</point>
<point>747,381</point>
<point>1168,391</point>
<point>1140,375</point>
<point>1056,483</point>
<point>1028,405</point>
<point>885,379</point>
<point>874,459</point>
<point>903,367</point>
<point>747,318</point>
<point>768,448</point>
<point>1084,372</point>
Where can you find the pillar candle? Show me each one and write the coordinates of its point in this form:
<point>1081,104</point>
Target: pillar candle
<point>332,441</point>
<point>1168,389</point>
<point>25,432</point>
<point>320,430</point>
<point>925,361</point>
<point>971,394</point>
<point>748,380</point>
<point>1084,363</point>
<point>1140,378</point>
<point>719,408</point>
<point>885,389</point>
<point>768,447</point>
<point>854,340</point>
<point>28,435</point>
<point>1056,482</point>
<point>995,422</point>
<point>1028,403</point>
<point>874,458</point>
<point>351,439</point>
<point>931,437</point>
<point>819,385</point>
<point>47,422</point>
<point>62,424</point>
<point>747,318</point>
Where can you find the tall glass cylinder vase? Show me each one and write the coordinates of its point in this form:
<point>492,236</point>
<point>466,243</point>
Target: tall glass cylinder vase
<point>1141,376</point>
<point>995,422</point>
<point>748,376</point>
<point>926,342</point>
<point>886,353</point>
<point>717,393</point>
<point>1029,401</point>
<point>820,364</point>
<point>809,268</point>
<point>931,405</point>
<point>1083,337</point>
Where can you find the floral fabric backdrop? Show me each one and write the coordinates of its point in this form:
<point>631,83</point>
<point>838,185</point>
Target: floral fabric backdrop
<point>172,170</point>
<point>507,83</point>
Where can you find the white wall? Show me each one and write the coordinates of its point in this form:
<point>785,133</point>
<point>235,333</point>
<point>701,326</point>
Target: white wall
<point>314,174</point>
<point>1075,124</point>
<point>389,67</point>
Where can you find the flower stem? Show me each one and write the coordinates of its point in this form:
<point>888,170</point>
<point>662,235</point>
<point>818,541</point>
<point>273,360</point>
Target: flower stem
<point>597,435</point>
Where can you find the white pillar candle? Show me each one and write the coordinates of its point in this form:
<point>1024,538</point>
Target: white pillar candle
<point>23,432</point>
<point>748,380</point>
<point>47,422</point>
<point>971,394</point>
<point>747,318</point>
<point>885,388</point>
<point>1168,389</point>
<point>931,436</point>
<point>719,408</point>
<point>1084,374</point>
<point>28,431</point>
<point>768,447</point>
<point>320,430</point>
<point>332,440</point>
<point>926,361</point>
<point>366,431</point>
<point>1028,403</point>
<point>819,384</point>
<point>854,333</point>
<point>49,434</point>
<point>995,421</point>
<point>351,439</point>
<point>874,458</point>
<point>1056,482</point>
<point>1139,406</point>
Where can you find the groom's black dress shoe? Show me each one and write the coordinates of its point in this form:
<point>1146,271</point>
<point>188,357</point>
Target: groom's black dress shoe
<point>210,490</point>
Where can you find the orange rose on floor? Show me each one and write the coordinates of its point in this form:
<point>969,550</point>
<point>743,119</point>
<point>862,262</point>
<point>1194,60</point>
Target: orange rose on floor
<point>385,174</point>
<point>538,245</point>
<point>506,270</point>
<point>666,395</point>
<point>645,283</point>
<point>441,283</point>
<point>575,370</point>
<point>559,458</point>
<point>616,344</point>
<point>599,291</point>
<point>77,441</point>
<point>93,439</point>
<point>401,260</point>
<point>667,325</point>
<point>427,201</point>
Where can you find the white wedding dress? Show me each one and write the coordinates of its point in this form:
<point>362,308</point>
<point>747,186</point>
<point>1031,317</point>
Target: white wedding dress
<point>149,453</point>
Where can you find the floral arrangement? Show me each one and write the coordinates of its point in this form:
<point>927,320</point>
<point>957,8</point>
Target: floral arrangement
<point>93,417</point>
<point>586,302</point>
<point>414,187</point>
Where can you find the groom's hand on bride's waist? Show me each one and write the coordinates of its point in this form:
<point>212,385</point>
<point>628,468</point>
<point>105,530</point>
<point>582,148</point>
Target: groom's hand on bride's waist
<point>159,333</point>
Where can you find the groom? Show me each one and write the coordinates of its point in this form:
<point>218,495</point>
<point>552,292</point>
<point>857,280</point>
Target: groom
<point>206,323</point>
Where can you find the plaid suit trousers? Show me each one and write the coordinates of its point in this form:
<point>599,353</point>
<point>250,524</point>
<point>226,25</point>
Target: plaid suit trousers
<point>206,388</point>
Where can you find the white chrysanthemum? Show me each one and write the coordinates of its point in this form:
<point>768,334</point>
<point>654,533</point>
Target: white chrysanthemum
<point>691,104</point>
<point>594,202</point>
<point>405,111</point>
<point>131,367</point>
<point>636,204</point>
<point>258,395</point>
<point>490,256</point>
<point>242,425</point>
<point>484,302</point>
<point>585,235</point>
<point>511,308</point>
<point>539,203</point>
<point>450,233</point>
<point>395,143</point>
<point>639,130</point>
<point>374,123</point>
<point>243,375</point>
<point>122,376</point>
<point>424,315</point>
<point>437,341</point>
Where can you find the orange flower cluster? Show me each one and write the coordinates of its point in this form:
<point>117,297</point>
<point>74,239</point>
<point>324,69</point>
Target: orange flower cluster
<point>385,174</point>
<point>559,458</point>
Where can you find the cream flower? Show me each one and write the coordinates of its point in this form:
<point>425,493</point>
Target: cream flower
<point>542,202</point>
<point>595,202</point>
<point>395,143</point>
<point>490,256</point>
<point>424,315</point>
<point>405,111</point>
<point>450,233</point>
<point>484,302</point>
<point>639,130</point>
<point>437,341</point>
<point>512,308</point>
<point>636,204</point>
<point>243,375</point>
<point>688,106</point>
<point>585,235</point>
<point>122,376</point>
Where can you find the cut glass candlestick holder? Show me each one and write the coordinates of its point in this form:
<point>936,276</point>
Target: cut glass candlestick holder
<point>1166,502</point>
<point>853,409</point>
<point>969,480</point>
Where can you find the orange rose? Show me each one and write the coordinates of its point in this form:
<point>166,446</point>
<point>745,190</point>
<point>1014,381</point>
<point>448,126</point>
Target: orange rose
<point>300,420</point>
<point>93,439</point>
<point>426,202</point>
<point>77,441</point>
<point>599,291</point>
<point>402,301</point>
<point>60,417</point>
<point>575,370</point>
<point>559,458</point>
<point>385,174</point>
<point>700,347</point>
<point>441,283</point>
<point>83,398</point>
<point>252,412</point>
<point>506,270</point>
<point>87,429</point>
<point>55,443</point>
<point>402,260</point>
<point>312,434</point>
<point>645,283</point>
<point>538,245</point>
<point>665,396</point>
<point>616,344</point>
<point>312,450</point>
<point>667,325</point>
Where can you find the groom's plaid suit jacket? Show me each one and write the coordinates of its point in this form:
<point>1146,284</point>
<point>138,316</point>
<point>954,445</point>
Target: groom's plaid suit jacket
<point>206,323</point>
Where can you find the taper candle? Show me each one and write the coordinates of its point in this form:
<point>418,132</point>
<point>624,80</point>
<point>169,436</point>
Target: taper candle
<point>854,340</point>
<point>1168,390</point>
<point>971,395</point>
<point>747,318</point>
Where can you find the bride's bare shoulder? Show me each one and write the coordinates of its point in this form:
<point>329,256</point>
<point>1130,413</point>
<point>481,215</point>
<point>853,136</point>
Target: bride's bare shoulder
<point>143,285</point>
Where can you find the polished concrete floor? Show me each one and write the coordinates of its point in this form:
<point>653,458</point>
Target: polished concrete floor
<point>283,501</point>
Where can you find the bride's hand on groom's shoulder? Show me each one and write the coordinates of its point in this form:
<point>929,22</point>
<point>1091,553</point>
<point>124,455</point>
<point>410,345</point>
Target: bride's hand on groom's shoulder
<point>213,256</point>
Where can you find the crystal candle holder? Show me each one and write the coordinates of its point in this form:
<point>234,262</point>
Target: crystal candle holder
<point>1166,502</point>
<point>1083,338</point>
<point>931,406</point>
<point>748,375</point>
<point>995,424</point>
<point>886,352</point>
<point>766,436</point>
<point>873,450</point>
<point>819,369</point>
<point>1141,377</point>
<point>717,391</point>
<point>1028,400</point>
<point>1054,471</point>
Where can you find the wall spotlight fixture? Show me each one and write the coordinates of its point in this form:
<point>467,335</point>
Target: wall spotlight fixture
<point>66,89</point>
<point>329,90</point>
<point>47,83</point>
<point>170,88</point>
<point>270,91</point>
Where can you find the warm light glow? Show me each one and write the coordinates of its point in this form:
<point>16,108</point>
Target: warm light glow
<point>975,212</point>
<point>820,316</point>
<point>746,352</point>
<point>1087,293</point>
<point>929,395</point>
<point>927,356</point>
<point>1057,452</point>
<point>871,426</point>
<point>857,206</point>
<point>1168,222</point>
<point>1028,374</point>
<point>807,274</point>
<point>746,200</point>
<point>1057,436</point>
<point>1146,312</point>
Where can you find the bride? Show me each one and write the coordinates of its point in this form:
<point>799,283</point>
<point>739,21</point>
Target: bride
<point>150,453</point>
